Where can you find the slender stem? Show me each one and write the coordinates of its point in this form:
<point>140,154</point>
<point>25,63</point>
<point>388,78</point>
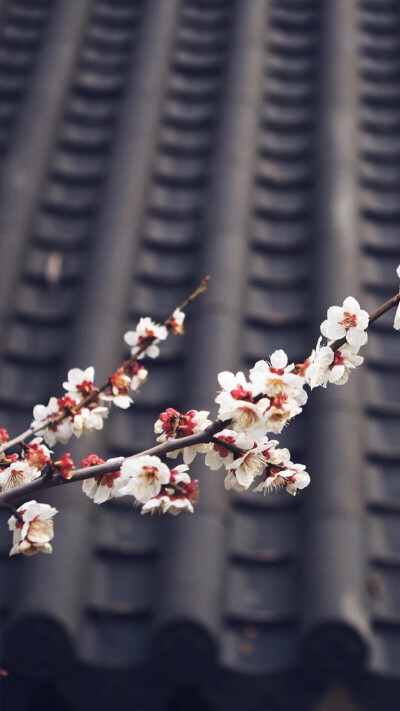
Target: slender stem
<point>96,392</point>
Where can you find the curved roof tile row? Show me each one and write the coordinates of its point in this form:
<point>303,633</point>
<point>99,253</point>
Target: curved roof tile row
<point>253,142</point>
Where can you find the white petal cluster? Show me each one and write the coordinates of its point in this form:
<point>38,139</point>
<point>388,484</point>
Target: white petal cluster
<point>396,324</point>
<point>177,496</point>
<point>292,479</point>
<point>156,487</point>
<point>103,487</point>
<point>36,453</point>
<point>325,366</point>
<point>79,383</point>
<point>237,403</point>
<point>52,433</point>
<point>146,329</point>
<point>143,477</point>
<point>275,378</point>
<point>34,533</point>
<point>171,424</point>
<point>81,422</point>
<point>17,474</point>
<point>244,469</point>
<point>348,321</point>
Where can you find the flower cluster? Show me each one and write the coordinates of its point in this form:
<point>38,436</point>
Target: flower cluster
<point>347,323</point>
<point>172,425</point>
<point>16,471</point>
<point>272,397</point>
<point>152,484</point>
<point>246,459</point>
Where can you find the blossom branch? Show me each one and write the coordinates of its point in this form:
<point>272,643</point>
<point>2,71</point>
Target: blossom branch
<point>88,399</point>
<point>110,466</point>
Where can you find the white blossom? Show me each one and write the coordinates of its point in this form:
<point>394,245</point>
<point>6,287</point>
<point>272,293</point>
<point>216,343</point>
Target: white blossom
<point>275,377</point>
<point>348,321</point>
<point>232,484</point>
<point>218,455</point>
<point>101,488</point>
<point>178,495</point>
<point>91,420</point>
<point>236,403</point>
<point>292,479</point>
<point>317,371</point>
<point>345,360</point>
<point>52,433</point>
<point>139,377</point>
<point>34,533</point>
<point>17,474</point>
<point>145,329</point>
<point>80,382</point>
<point>145,475</point>
<point>173,425</point>
<point>250,465</point>
<point>281,409</point>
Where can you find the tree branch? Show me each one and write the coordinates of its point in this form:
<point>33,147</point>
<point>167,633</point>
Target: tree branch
<point>108,467</point>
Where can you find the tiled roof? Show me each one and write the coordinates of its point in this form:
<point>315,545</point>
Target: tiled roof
<point>146,143</point>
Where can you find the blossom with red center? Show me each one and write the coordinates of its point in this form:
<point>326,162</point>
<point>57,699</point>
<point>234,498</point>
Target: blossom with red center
<point>18,473</point>
<point>345,359</point>
<point>280,410</point>
<point>292,479</point>
<point>218,455</point>
<point>237,403</point>
<point>65,465</point>
<point>144,339</point>
<point>348,321</point>
<point>120,384</point>
<point>80,383</point>
<point>34,532</point>
<point>56,431</point>
<point>36,453</point>
<point>180,494</point>
<point>171,424</point>
<point>101,487</point>
<point>4,436</point>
